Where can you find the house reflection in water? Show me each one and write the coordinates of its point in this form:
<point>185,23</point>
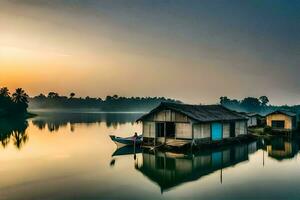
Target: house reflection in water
<point>281,148</point>
<point>171,169</point>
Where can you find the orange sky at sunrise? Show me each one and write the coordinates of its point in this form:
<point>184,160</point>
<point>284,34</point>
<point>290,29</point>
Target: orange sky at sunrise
<point>103,48</point>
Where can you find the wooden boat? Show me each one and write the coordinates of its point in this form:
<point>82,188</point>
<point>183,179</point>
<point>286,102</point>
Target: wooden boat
<point>128,141</point>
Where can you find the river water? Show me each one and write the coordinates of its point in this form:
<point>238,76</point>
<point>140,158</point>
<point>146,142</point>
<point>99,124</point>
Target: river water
<point>70,156</point>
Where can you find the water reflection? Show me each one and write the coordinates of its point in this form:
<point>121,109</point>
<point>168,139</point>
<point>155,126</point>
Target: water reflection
<point>127,150</point>
<point>281,148</point>
<point>54,121</point>
<point>13,131</point>
<point>169,170</point>
<point>86,164</point>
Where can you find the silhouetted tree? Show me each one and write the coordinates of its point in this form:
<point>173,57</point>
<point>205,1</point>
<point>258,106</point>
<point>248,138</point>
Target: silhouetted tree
<point>251,104</point>
<point>72,95</point>
<point>41,97</point>
<point>4,92</point>
<point>224,100</point>
<point>111,103</point>
<point>15,105</point>
<point>53,95</point>
<point>108,98</point>
<point>264,100</point>
<point>5,101</point>
<point>115,96</point>
<point>20,98</point>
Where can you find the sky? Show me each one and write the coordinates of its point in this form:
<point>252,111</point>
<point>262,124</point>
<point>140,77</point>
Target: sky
<point>194,51</point>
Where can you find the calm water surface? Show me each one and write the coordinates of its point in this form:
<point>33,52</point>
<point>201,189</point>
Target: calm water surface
<point>70,156</point>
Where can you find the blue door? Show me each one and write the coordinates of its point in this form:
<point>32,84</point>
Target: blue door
<point>217,159</point>
<point>216,131</point>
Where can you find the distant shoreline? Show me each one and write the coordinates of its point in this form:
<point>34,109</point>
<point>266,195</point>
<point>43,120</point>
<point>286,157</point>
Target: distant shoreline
<point>84,111</point>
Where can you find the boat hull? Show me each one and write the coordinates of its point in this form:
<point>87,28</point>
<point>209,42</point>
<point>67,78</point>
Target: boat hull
<point>121,142</point>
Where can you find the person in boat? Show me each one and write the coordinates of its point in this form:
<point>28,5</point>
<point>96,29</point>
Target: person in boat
<point>135,136</point>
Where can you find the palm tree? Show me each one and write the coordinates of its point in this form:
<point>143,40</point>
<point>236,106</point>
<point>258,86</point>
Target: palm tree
<point>5,101</point>
<point>4,92</point>
<point>20,96</point>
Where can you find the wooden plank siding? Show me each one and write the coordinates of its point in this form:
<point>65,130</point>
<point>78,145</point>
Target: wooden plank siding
<point>186,128</point>
<point>168,116</point>
<point>240,128</point>
<point>202,131</point>
<point>280,117</point>
<point>149,129</point>
<point>226,130</point>
<point>183,130</point>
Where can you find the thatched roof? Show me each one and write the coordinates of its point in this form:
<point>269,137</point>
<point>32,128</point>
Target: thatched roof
<point>284,112</point>
<point>200,113</point>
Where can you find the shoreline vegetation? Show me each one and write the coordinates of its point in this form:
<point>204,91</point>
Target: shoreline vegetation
<point>14,105</point>
<point>18,103</point>
<point>115,103</point>
<point>256,105</point>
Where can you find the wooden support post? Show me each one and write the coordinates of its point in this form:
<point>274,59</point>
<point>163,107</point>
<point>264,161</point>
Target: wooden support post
<point>165,132</point>
<point>192,135</point>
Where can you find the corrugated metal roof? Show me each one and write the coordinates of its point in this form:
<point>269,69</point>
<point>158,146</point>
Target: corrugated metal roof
<point>201,113</point>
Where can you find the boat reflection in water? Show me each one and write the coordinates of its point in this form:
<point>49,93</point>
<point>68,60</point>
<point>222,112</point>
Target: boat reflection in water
<point>127,150</point>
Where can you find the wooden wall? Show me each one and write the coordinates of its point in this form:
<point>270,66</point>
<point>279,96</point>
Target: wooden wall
<point>183,127</point>
<point>252,121</point>
<point>149,129</point>
<point>240,128</point>
<point>287,119</point>
<point>226,130</point>
<point>168,116</point>
<point>202,131</point>
<point>183,130</point>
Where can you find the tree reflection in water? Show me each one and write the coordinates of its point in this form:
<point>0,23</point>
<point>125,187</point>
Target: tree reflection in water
<point>54,121</point>
<point>13,130</point>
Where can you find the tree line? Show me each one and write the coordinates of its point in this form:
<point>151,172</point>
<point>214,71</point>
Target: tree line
<point>111,103</point>
<point>18,102</point>
<point>258,105</point>
<point>13,104</point>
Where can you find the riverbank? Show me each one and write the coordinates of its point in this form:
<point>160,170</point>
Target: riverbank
<point>268,132</point>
